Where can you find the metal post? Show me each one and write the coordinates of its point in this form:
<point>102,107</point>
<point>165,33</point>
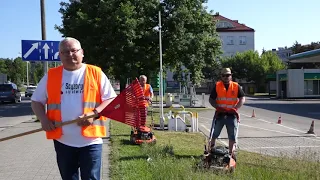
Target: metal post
<point>44,36</point>
<point>161,71</point>
<point>43,31</point>
<point>27,73</point>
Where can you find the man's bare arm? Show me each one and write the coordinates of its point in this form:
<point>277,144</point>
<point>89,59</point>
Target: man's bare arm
<point>213,102</point>
<point>39,111</point>
<point>240,103</point>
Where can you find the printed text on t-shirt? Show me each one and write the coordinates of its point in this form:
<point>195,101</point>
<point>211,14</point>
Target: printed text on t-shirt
<point>74,88</point>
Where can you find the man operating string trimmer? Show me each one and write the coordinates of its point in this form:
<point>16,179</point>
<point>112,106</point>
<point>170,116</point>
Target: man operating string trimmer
<point>227,97</point>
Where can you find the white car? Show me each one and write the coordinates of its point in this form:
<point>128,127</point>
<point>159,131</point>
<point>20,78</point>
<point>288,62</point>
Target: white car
<point>30,90</point>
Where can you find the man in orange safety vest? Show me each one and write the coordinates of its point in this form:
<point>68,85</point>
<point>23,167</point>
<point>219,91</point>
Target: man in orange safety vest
<point>70,91</point>
<point>226,97</point>
<point>147,89</point>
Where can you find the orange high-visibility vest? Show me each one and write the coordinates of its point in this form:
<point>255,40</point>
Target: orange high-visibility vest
<point>227,99</point>
<point>91,99</point>
<point>146,93</point>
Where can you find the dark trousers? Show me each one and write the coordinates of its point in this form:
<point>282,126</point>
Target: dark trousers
<point>70,159</point>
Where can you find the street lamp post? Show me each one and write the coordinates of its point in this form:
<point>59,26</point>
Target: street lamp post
<point>161,72</point>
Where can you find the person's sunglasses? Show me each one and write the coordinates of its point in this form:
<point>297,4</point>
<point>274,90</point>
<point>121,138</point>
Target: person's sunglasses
<point>226,75</point>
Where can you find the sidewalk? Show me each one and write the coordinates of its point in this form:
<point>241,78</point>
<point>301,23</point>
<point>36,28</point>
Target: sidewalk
<point>32,157</point>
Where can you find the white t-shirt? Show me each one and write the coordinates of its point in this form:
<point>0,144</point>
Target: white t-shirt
<point>71,104</point>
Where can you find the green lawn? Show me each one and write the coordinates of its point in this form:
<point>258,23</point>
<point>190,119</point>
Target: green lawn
<point>175,154</point>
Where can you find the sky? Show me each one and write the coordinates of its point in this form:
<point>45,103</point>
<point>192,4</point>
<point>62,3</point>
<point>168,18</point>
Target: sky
<point>276,23</point>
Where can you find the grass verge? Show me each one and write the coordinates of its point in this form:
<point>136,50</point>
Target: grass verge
<point>176,153</point>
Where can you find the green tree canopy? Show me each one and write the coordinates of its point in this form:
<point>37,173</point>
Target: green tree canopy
<point>250,66</point>
<point>122,36</point>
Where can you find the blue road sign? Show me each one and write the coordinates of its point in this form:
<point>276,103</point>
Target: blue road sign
<point>40,50</point>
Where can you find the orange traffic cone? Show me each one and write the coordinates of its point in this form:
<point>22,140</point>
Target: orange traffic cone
<point>253,114</point>
<point>279,120</point>
<point>311,130</point>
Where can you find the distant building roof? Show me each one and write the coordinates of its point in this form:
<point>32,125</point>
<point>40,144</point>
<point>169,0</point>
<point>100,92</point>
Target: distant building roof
<point>306,57</point>
<point>227,25</point>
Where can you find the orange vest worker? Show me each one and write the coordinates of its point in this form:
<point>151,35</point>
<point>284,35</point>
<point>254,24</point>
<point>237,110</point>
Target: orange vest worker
<point>147,93</point>
<point>227,99</point>
<point>91,99</point>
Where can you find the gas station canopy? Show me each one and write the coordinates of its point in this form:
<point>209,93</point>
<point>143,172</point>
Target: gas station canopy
<point>312,56</point>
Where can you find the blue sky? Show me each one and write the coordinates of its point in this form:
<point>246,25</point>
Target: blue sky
<point>277,23</point>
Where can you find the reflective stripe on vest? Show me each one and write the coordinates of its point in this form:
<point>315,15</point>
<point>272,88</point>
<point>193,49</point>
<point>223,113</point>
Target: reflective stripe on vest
<point>227,99</point>
<point>98,122</point>
<point>91,100</point>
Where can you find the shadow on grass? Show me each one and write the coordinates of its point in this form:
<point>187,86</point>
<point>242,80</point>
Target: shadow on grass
<point>155,152</point>
<point>126,142</point>
<point>120,135</point>
<point>265,166</point>
<point>130,158</point>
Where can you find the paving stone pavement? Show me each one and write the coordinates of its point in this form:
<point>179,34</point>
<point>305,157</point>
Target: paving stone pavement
<point>32,157</point>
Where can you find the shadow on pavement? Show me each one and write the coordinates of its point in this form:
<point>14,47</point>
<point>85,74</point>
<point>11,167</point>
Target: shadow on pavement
<point>15,109</point>
<point>311,110</point>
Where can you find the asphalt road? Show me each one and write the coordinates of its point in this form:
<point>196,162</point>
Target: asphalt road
<point>262,134</point>
<point>15,113</point>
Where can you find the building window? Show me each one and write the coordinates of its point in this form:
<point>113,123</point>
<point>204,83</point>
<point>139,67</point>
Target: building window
<point>224,24</point>
<point>311,87</point>
<point>230,40</point>
<point>230,54</point>
<point>243,40</point>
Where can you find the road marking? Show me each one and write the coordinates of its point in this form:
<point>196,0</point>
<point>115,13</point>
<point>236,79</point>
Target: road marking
<point>278,125</point>
<point>282,147</point>
<point>223,142</point>
<point>205,128</point>
<point>272,130</point>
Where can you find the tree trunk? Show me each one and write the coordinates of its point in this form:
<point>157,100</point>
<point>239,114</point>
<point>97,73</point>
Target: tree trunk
<point>123,82</point>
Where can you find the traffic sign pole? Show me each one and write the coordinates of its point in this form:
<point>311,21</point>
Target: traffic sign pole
<point>43,30</point>
<point>44,37</point>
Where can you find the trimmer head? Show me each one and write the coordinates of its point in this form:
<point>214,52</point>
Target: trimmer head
<point>141,135</point>
<point>218,158</point>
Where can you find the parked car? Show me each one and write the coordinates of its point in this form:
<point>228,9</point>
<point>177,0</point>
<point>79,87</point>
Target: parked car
<point>30,90</point>
<point>10,92</point>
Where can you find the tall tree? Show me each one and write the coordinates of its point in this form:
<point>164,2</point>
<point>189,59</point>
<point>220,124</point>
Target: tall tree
<point>251,67</point>
<point>122,36</point>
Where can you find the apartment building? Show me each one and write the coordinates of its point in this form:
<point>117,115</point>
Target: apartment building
<point>283,53</point>
<point>235,36</point>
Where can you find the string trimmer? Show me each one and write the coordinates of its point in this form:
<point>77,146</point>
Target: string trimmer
<point>142,133</point>
<point>126,108</point>
<point>217,157</point>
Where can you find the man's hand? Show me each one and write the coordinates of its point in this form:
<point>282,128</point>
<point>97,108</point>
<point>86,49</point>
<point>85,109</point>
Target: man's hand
<point>86,122</point>
<point>148,99</point>
<point>47,125</point>
<point>220,110</point>
<point>235,112</point>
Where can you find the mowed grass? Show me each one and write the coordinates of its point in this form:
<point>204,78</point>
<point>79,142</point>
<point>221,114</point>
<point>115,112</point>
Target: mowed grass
<point>176,154</point>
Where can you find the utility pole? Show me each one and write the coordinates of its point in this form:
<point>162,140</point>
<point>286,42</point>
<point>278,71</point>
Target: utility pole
<point>43,31</point>
<point>161,72</point>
